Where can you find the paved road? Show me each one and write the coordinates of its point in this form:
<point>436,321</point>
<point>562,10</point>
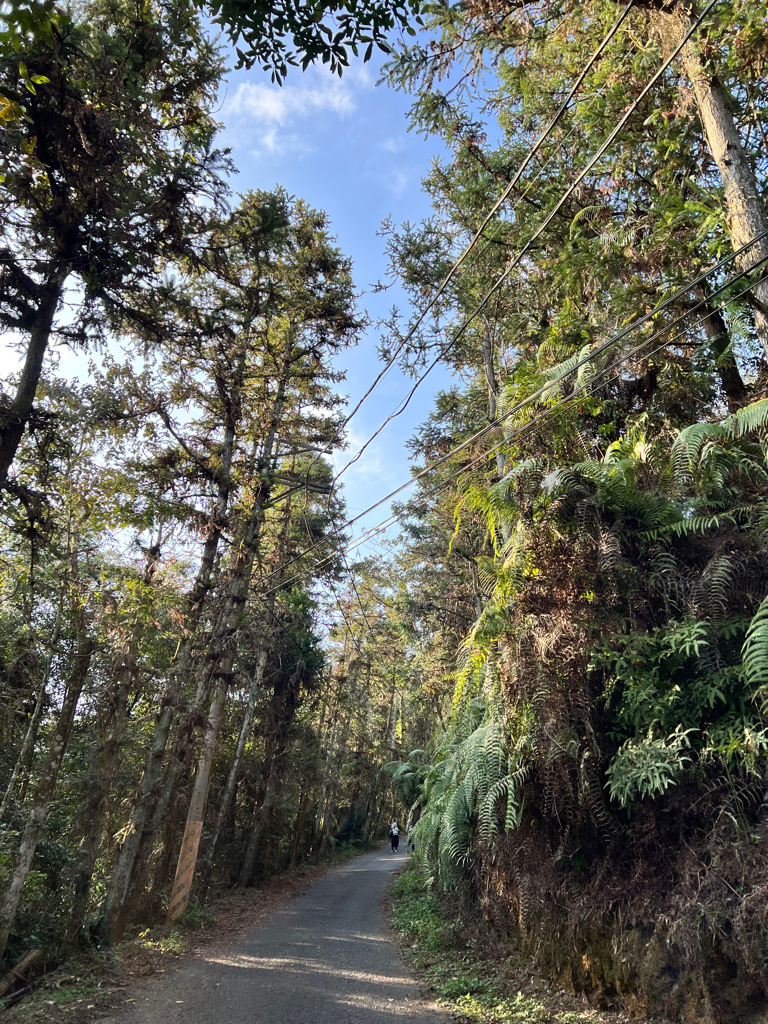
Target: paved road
<point>324,959</point>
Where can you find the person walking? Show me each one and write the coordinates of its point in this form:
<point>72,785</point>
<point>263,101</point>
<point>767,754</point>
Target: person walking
<point>394,835</point>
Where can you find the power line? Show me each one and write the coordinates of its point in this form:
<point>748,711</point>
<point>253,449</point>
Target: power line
<point>533,150</point>
<point>332,515</point>
<point>518,407</point>
<point>584,390</point>
<point>466,323</point>
<point>537,394</point>
<point>357,592</point>
<point>635,352</point>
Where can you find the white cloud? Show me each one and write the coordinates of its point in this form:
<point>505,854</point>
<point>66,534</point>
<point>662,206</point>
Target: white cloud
<point>393,145</point>
<point>275,105</point>
<point>397,182</point>
<point>370,465</point>
<point>270,109</point>
<point>278,142</point>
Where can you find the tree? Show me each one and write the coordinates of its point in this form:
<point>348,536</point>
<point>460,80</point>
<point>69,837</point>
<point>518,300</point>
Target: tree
<point>290,33</point>
<point>253,331</point>
<point>604,535</point>
<point>105,155</point>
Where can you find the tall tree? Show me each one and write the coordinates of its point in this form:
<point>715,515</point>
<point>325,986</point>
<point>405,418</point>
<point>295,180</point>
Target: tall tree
<point>106,153</point>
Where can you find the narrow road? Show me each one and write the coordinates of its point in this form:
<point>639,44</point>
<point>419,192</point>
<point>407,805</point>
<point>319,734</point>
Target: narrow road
<point>325,958</point>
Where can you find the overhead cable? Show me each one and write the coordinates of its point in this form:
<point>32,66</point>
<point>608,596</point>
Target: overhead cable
<point>467,322</point>
<point>534,396</point>
<point>455,266</point>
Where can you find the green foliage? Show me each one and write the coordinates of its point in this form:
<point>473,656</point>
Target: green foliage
<point>289,34</point>
<point>755,648</point>
<point>656,678</point>
<point>416,913</point>
<point>470,791</point>
<point>715,455</point>
<point>478,986</point>
<point>174,942</point>
<point>647,768</point>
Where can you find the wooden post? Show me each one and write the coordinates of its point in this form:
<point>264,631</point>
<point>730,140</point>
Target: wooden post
<point>18,973</point>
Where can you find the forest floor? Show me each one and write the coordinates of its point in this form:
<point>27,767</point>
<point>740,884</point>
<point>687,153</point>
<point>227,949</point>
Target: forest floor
<point>473,976</point>
<point>97,982</point>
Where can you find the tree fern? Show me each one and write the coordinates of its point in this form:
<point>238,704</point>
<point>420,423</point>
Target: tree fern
<point>707,448</point>
<point>472,787</point>
<point>557,375</point>
<point>688,445</point>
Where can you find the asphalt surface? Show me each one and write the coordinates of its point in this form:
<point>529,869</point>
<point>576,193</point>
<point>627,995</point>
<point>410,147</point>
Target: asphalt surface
<point>325,958</point>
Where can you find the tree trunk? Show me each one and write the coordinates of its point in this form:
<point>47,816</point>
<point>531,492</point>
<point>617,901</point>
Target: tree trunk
<point>260,819</point>
<point>222,658</point>
<point>324,782</point>
<point>329,816</point>
<point>175,781</point>
<point>221,653</point>
<point>30,737</point>
<point>13,419</point>
<point>493,391</point>
<point>41,799</point>
<point>737,394</point>
<point>163,869</point>
<point>114,715</point>
<point>113,911</point>
<point>301,818</point>
<point>747,217</point>
<point>225,799</point>
<point>185,869</point>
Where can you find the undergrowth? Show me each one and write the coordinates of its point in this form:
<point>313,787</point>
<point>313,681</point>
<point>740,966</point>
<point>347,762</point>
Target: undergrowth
<point>468,977</point>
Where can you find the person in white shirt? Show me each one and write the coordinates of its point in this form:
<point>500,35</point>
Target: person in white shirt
<point>394,835</point>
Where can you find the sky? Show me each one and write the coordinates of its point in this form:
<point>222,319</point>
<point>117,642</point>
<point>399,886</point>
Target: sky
<point>343,145</point>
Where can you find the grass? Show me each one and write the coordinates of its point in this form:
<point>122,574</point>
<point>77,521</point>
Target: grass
<point>467,977</point>
<point>174,942</point>
<point>70,993</point>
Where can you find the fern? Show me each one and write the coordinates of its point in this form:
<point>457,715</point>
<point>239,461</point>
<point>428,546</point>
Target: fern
<point>755,649</point>
<point>471,790</point>
<point>748,420</point>
<point>648,767</point>
<point>688,444</point>
<point>713,451</point>
<point>589,214</point>
<point>557,375</point>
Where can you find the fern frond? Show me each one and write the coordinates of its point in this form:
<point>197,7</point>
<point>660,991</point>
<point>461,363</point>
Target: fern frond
<point>755,650</point>
<point>687,447</point>
<point>748,420</point>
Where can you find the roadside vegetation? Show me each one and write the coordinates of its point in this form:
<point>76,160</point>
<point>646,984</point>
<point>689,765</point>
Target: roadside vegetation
<point>95,981</point>
<point>481,982</point>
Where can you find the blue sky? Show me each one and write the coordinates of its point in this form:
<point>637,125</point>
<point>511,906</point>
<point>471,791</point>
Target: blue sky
<point>342,144</point>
